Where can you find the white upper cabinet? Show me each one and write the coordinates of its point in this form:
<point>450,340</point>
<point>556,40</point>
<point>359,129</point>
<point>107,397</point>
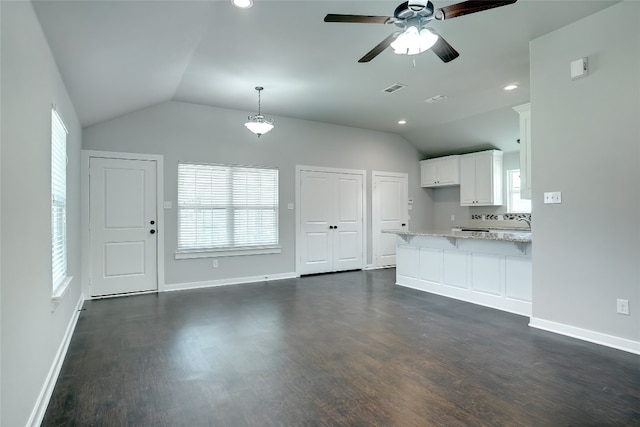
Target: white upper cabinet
<point>525,149</point>
<point>481,179</point>
<point>440,171</point>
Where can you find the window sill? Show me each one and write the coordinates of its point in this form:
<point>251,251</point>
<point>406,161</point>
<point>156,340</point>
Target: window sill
<point>216,253</point>
<point>62,289</point>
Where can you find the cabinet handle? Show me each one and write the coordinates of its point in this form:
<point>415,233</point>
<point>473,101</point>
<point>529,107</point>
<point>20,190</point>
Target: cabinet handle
<point>331,227</point>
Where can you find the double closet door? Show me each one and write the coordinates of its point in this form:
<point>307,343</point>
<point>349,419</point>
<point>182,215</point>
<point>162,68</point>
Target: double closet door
<point>331,221</point>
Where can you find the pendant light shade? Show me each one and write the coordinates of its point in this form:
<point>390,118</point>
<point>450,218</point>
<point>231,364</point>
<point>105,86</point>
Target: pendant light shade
<point>258,124</point>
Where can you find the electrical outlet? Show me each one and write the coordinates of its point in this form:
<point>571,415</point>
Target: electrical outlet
<point>623,306</point>
<point>215,263</point>
<point>453,217</point>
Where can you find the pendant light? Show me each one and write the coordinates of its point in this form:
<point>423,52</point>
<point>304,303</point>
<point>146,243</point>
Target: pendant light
<point>258,124</point>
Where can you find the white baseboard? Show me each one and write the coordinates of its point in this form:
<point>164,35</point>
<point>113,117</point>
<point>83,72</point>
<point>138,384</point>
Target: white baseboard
<point>373,267</point>
<point>37,414</point>
<point>519,307</point>
<point>227,282</point>
<point>586,335</point>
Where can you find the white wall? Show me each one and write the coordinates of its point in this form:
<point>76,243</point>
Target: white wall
<point>182,131</point>
<point>586,143</point>
<point>32,326</point>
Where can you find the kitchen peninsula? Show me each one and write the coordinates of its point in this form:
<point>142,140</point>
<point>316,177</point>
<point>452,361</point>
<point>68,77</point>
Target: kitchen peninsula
<point>487,267</point>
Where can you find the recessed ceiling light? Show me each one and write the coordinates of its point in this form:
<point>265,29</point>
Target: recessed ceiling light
<point>512,86</point>
<point>242,4</point>
<point>402,122</point>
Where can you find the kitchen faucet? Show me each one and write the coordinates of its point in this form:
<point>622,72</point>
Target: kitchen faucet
<point>528,221</point>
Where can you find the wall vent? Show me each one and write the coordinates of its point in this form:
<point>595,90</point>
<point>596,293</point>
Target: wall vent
<point>394,88</point>
<point>435,99</point>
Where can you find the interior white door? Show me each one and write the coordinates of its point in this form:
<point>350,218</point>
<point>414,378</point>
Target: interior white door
<point>123,226</point>
<point>316,216</point>
<point>331,221</point>
<point>347,223</point>
<point>389,212</point>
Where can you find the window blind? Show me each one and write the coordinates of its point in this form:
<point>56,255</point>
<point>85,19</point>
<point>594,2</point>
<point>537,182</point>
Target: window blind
<point>226,207</point>
<point>58,200</point>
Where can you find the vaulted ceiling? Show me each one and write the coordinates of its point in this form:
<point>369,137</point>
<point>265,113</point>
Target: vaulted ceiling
<point>120,56</point>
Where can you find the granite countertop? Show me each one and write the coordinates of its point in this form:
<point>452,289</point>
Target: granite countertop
<point>502,234</point>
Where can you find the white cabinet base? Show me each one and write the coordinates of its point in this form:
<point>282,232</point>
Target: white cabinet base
<point>490,273</point>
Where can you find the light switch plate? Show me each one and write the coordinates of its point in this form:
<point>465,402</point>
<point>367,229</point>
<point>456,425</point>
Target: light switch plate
<point>553,197</point>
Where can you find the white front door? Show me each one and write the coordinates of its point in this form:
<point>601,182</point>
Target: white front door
<point>331,221</point>
<point>123,226</point>
<point>389,212</point>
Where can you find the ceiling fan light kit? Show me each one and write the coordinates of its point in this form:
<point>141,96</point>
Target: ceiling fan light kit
<point>242,4</point>
<point>412,42</point>
<point>412,18</point>
<point>258,124</point>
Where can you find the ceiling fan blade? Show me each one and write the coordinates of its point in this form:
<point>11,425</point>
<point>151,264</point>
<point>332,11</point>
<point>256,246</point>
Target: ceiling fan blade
<point>467,7</point>
<point>358,19</point>
<point>379,48</point>
<point>443,49</point>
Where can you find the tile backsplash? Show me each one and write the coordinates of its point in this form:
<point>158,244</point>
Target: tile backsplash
<point>500,220</point>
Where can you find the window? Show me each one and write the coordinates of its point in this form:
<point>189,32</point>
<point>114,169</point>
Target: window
<point>223,208</point>
<point>58,203</point>
<point>514,203</point>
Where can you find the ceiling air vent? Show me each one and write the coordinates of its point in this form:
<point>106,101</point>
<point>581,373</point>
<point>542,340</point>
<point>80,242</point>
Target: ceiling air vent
<point>435,99</point>
<point>394,88</point>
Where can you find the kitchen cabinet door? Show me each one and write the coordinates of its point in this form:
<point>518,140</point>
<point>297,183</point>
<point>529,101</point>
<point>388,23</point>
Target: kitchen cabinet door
<point>467,180</point>
<point>440,171</point>
<point>448,170</point>
<point>481,179</point>
<point>429,173</point>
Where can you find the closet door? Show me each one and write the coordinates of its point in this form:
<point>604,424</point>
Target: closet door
<point>347,214</point>
<point>316,216</point>
<point>331,222</point>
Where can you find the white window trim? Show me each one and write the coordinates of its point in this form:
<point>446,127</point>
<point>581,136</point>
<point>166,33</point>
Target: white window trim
<point>59,289</point>
<point>224,252</point>
<point>510,192</point>
<point>233,250</point>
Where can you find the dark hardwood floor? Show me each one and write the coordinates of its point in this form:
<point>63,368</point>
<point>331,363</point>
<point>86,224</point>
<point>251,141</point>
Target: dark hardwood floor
<point>348,349</point>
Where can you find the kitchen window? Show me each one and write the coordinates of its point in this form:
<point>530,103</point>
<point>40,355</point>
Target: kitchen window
<point>514,203</point>
<point>226,210</point>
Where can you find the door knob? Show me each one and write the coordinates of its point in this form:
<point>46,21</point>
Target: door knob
<point>152,222</point>
<point>152,231</point>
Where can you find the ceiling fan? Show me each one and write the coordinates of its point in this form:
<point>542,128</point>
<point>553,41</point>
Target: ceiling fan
<point>412,18</point>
